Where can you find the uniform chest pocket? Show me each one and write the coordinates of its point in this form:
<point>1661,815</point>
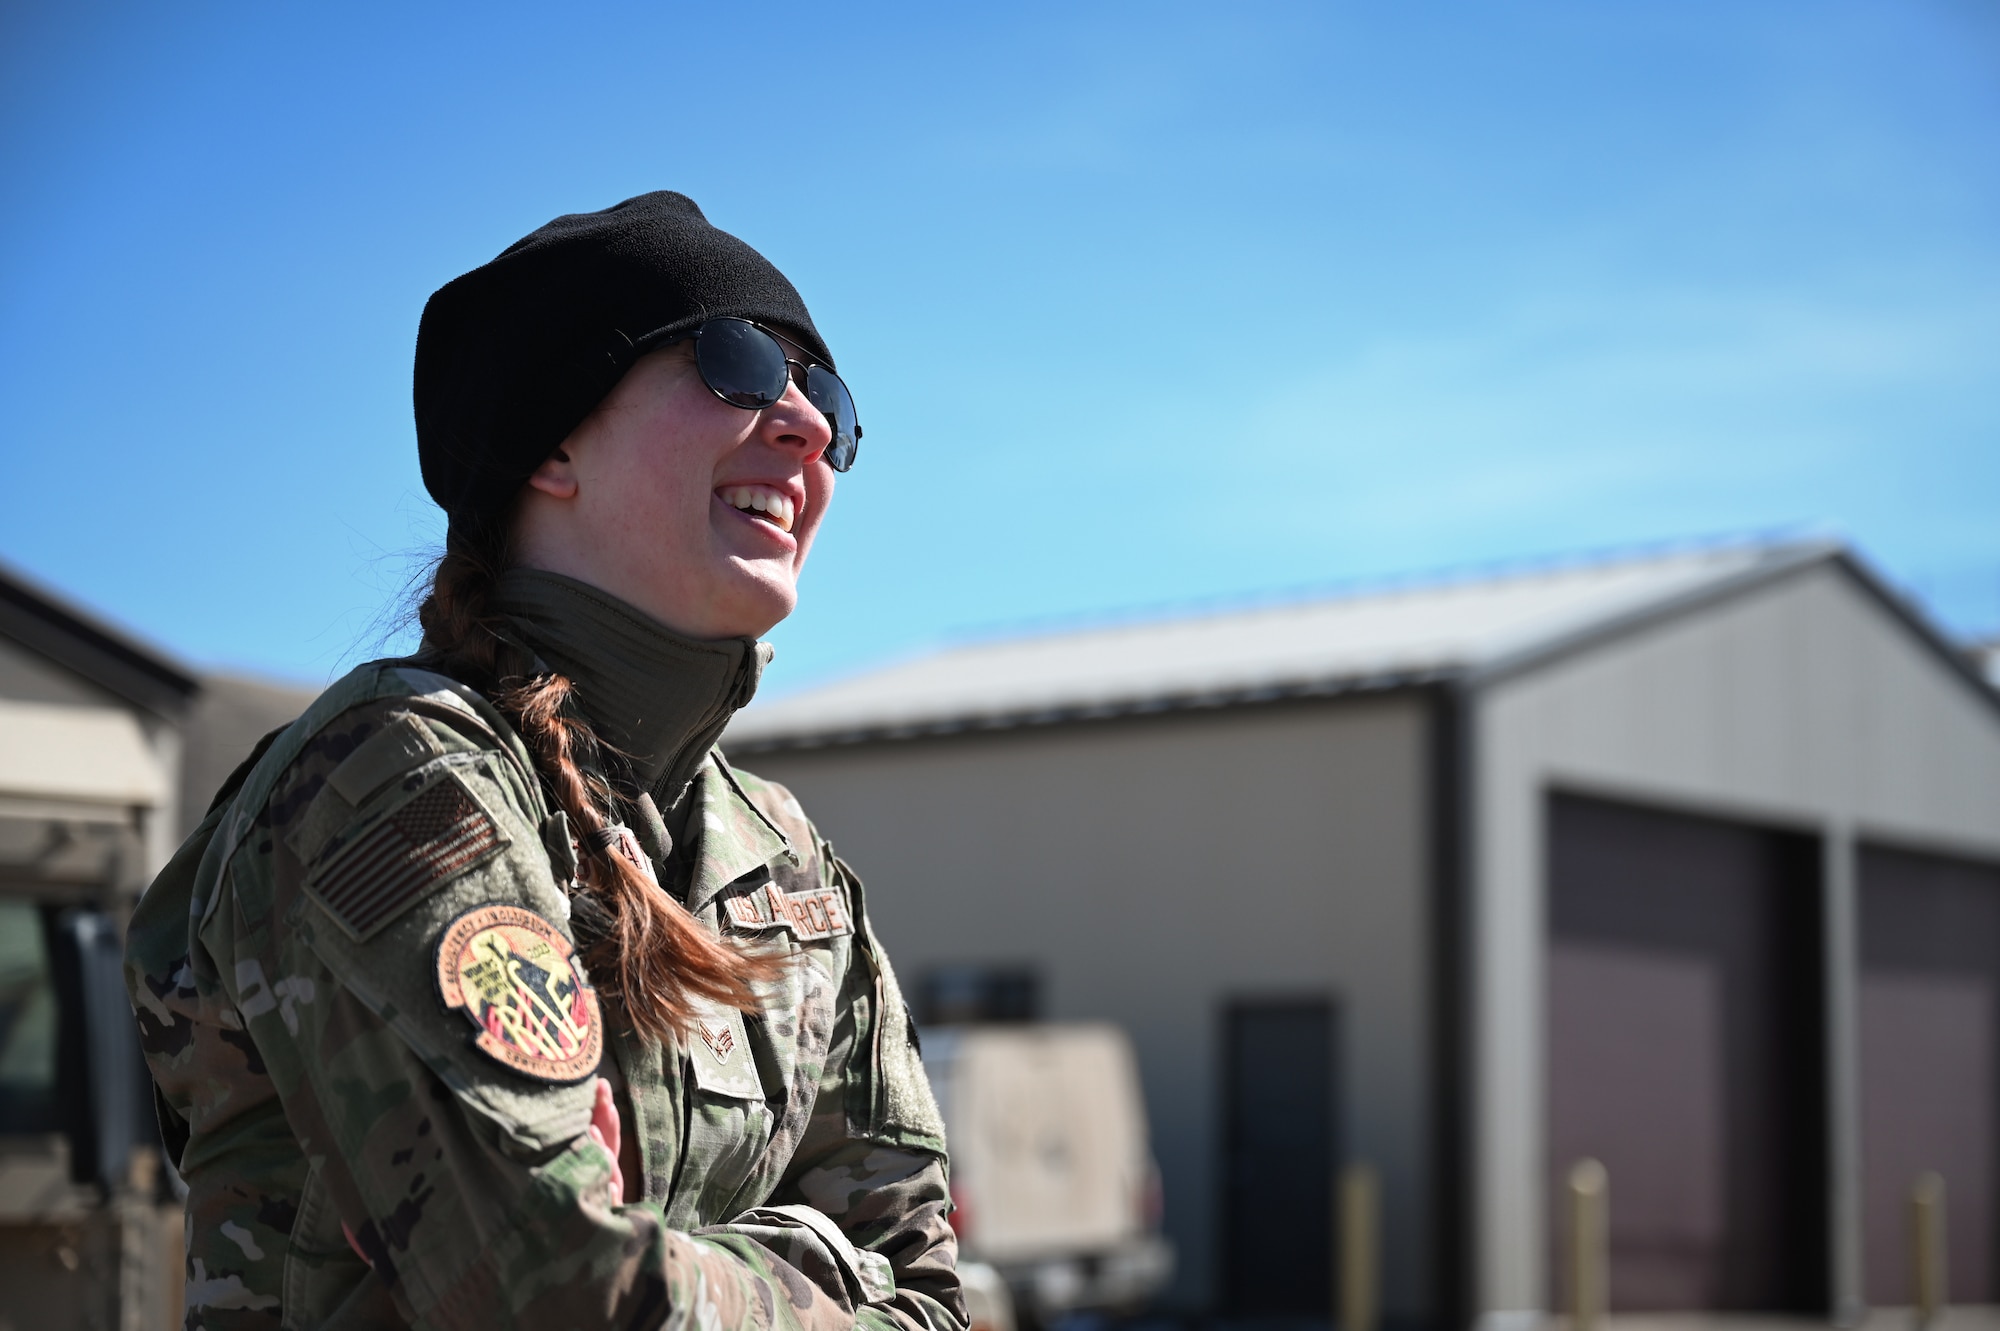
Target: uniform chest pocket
<point>729,1124</point>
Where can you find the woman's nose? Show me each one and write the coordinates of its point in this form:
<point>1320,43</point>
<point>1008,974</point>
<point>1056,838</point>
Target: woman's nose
<point>793,422</point>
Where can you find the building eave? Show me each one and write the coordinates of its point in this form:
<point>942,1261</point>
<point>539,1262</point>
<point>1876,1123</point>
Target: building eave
<point>49,625</point>
<point>1262,694</point>
<point>1777,564</point>
<point>1784,564</point>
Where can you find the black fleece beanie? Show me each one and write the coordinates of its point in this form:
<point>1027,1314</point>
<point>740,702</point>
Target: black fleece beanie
<point>512,356</point>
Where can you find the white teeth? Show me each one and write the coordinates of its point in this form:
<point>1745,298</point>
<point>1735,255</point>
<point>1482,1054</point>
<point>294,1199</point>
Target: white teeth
<point>757,499</point>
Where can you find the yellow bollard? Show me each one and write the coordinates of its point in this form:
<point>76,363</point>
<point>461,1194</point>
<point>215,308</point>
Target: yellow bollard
<point>1589,1244</point>
<point>1929,1290</point>
<point>1360,1247</point>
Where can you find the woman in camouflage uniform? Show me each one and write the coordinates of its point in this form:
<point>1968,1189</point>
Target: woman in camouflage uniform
<point>489,994</point>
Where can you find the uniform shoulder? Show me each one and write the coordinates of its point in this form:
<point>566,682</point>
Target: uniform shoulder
<point>382,722</point>
<point>390,798</point>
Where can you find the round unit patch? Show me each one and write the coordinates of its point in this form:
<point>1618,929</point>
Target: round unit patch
<point>511,973</point>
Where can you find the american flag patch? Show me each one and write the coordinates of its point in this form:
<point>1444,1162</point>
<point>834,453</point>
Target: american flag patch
<point>438,834</point>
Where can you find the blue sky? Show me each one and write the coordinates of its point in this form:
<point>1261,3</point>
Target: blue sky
<point>1144,304</point>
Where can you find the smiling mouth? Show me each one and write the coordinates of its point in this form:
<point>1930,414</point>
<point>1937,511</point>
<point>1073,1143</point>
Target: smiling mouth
<point>760,502</point>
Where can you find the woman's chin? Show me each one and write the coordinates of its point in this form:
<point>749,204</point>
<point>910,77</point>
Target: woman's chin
<point>755,598</point>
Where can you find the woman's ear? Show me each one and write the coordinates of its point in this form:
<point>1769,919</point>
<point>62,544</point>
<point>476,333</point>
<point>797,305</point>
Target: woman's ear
<point>556,477</point>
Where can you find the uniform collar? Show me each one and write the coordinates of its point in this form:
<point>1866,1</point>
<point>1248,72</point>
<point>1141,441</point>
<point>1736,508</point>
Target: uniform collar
<point>729,834</point>
<point>659,698</point>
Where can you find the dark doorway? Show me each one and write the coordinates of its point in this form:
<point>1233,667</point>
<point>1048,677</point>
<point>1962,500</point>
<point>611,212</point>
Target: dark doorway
<point>1278,1158</point>
<point>1930,1064</point>
<point>979,991</point>
<point>1685,1052</point>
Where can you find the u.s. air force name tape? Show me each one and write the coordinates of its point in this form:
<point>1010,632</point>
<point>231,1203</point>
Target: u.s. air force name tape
<point>809,915</point>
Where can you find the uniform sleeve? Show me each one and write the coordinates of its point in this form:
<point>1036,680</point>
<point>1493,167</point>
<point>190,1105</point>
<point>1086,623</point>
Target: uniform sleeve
<point>873,1158</point>
<point>413,874</point>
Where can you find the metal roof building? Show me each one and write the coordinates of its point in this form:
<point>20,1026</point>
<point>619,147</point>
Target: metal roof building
<point>1687,862</point>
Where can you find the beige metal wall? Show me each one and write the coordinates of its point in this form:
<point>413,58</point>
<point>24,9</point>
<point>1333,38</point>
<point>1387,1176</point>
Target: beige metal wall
<point>1805,704</point>
<point>1154,868</point>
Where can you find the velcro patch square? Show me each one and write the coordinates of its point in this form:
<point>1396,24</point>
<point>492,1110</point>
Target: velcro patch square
<point>395,750</point>
<point>438,834</point>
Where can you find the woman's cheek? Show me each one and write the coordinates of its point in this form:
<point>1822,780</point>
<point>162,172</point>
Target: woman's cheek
<point>819,479</point>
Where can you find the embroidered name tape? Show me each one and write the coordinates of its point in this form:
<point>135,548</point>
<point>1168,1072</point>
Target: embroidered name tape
<point>513,975</point>
<point>821,914</point>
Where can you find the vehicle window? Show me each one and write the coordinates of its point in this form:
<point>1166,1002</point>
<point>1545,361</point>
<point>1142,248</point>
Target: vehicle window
<point>27,1022</point>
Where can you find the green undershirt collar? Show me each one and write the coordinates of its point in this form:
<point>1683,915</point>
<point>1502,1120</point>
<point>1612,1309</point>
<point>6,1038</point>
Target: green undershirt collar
<point>660,698</point>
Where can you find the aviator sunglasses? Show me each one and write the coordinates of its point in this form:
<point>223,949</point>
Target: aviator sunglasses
<point>745,365</point>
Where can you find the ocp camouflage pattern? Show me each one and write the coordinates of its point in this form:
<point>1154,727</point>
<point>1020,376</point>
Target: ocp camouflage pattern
<point>791,1169</point>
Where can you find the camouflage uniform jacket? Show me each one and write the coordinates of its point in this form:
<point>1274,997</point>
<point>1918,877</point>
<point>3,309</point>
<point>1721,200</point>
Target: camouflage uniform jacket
<point>291,972</point>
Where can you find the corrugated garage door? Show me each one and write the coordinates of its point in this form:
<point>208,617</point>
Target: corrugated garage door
<point>1684,1052</point>
<point>1930,1057</point>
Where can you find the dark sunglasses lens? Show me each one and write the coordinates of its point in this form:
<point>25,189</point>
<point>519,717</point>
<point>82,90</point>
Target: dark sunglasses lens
<point>740,363</point>
<point>826,392</point>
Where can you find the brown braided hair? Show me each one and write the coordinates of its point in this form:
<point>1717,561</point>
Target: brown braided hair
<point>643,949</point>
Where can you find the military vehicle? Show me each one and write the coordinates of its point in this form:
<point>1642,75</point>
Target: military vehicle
<point>90,1226</point>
